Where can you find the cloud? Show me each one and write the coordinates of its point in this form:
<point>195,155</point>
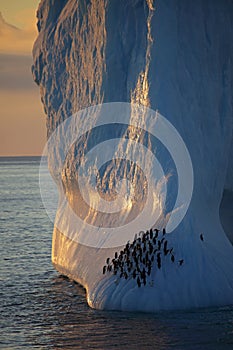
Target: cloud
<point>14,40</point>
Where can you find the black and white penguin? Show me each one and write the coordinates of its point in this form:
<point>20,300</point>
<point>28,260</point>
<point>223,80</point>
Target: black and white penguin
<point>104,269</point>
<point>201,237</point>
<point>181,261</point>
<point>138,282</point>
<point>151,233</point>
<point>156,233</point>
<point>165,248</point>
<point>150,248</point>
<point>159,260</point>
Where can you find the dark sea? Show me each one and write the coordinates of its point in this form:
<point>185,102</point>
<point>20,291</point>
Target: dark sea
<point>40,309</point>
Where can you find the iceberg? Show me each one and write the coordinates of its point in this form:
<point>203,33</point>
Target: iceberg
<point>160,65</point>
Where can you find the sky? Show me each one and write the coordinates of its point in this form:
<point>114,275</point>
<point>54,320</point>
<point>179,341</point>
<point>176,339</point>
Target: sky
<point>22,120</point>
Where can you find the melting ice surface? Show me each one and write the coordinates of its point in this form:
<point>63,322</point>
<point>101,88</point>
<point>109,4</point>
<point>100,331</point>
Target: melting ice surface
<point>161,58</point>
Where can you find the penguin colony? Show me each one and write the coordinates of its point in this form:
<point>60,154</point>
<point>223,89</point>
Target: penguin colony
<point>137,258</point>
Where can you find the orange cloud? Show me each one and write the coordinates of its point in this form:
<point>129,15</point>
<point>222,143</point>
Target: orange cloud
<point>18,41</point>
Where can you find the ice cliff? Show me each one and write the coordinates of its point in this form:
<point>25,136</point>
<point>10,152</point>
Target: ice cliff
<point>175,57</point>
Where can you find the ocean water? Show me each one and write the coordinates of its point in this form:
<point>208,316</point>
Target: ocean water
<point>40,309</point>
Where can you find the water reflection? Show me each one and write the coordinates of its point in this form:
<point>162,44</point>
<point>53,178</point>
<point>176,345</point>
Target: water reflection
<point>74,325</point>
<point>69,323</point>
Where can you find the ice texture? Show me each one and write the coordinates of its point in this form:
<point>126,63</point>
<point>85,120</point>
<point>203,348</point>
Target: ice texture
<point>175,57</point>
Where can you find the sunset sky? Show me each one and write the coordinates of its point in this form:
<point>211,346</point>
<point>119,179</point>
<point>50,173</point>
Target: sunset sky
<point>22,128</point>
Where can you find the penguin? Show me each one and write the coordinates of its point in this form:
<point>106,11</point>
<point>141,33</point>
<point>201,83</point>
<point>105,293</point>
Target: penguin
<point>181,261</point>
<point>150,248</point>
<point>140,252</point>
<point>172,258</point>
<point>165,248</point>
<point>156,233</point>
<point>138,282</point>
<point>151,233</point>
<point>201,237</point>
<point>104,269</point>
<point>107,261</point>
<point>159,260</point>
<point>116,255</point>
<point>164,231</point>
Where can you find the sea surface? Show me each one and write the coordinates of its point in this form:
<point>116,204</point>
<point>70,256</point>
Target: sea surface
<point>40,309</point>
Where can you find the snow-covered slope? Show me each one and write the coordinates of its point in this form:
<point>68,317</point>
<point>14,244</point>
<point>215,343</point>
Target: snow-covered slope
<point>174,56</point>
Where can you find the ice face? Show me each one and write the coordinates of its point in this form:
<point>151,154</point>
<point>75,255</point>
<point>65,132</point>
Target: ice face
<point>175,58</point>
